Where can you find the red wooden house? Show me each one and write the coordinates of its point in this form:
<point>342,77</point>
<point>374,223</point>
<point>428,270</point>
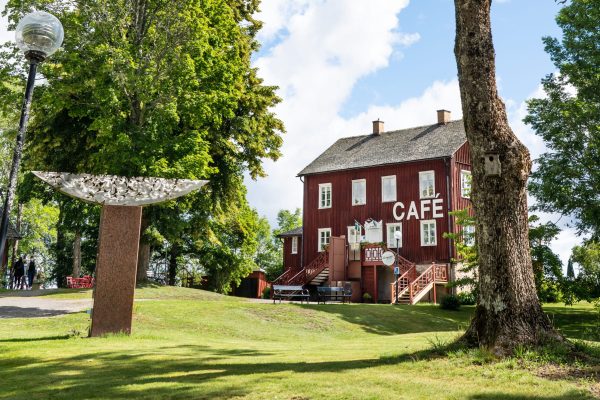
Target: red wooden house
<point>362,190</point>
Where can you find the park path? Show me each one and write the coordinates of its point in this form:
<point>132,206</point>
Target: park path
<point>31,304</point>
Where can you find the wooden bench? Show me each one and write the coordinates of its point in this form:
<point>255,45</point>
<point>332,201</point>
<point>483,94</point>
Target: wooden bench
<point>289,292</point>
<point>325,293</point>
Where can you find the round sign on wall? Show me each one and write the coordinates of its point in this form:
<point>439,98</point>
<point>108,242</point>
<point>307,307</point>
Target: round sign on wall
<point>388,258</point>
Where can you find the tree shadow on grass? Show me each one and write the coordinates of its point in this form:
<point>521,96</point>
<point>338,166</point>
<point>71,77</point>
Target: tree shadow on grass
<point>37,339</point>
<point>31,312</point>
<point>383,319</point>
<point>189,371</point>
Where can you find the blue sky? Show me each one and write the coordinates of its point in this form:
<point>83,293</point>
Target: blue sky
<point>341,64</point>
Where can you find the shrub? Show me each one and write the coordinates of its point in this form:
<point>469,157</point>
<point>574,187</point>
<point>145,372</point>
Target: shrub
<point>367,297</point>
<point>467,298</point>
<point>450,302</point>
<point>266,293</point>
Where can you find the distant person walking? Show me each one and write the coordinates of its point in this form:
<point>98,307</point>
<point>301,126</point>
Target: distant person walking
<point>19,268</point>
<point>31,272</point>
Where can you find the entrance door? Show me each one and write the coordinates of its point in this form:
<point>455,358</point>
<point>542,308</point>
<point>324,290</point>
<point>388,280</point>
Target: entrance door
<point>385,276</point>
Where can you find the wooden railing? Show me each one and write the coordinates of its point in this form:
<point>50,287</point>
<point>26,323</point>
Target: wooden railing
<point>311,271</point>
<point>432,275</point>
<point>408,273</point>
<point>283,278</point>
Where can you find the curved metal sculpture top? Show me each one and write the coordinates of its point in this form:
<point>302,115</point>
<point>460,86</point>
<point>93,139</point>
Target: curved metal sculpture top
<point>118,190</point>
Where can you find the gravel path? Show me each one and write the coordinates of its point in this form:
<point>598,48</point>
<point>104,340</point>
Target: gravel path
<point>26,306</point>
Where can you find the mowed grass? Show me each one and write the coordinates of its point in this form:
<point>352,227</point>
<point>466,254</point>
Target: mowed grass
<point>198,345</point>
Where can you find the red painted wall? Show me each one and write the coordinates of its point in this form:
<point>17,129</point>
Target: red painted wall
<point>342,213</point>
<point>291,260</point>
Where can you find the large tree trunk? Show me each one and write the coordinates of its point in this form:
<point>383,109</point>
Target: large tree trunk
<point>508,312</point>
<point>143,253</point>
<point>77,254</point>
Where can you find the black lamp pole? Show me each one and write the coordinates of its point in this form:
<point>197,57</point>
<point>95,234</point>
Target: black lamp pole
<point>396,270</point>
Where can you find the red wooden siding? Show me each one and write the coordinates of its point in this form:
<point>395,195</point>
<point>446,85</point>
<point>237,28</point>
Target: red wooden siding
<point>291,260</point>
<point>460,162</point>
<point>343,214</point>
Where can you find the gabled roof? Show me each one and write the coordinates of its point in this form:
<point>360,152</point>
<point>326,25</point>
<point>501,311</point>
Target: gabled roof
<point>293,232</point>
<point>420,143</point>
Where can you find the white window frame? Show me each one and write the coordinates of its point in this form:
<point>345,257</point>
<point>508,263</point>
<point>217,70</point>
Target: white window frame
<point>422,176</point>
<point>322,188</point>
<point>294,244</point>
<point>364,200</point>
<point>465,190</point>
<point>428,222</point>
<point>353,233</point>
<point>321,244</point>
<point>392,197</point>
<point>390,229</point>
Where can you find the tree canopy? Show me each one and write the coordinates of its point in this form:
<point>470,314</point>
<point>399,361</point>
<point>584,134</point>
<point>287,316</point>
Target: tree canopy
<point>567,178</point>
<point>157,88</point>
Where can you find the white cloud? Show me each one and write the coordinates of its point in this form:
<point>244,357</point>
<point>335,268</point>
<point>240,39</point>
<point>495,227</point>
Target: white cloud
<point>5,36</point>
<point>320,49</point>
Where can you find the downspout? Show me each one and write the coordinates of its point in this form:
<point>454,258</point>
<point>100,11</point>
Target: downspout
<point>450,225</point>
<point>303,210</point>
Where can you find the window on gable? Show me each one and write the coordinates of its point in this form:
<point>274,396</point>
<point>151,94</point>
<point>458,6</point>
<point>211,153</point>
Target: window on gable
<point>359,192</point>
<point>294,244</point>
<point>325,195</point>
<point>324,236</point>
<point>465,184</point>
<point>427,184</point>
<point>428,233</point>
<point>388,188</point>
<point>391,240</point>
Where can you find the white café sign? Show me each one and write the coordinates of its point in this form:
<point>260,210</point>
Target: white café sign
<point>388,258</point>
<point>424,209</point>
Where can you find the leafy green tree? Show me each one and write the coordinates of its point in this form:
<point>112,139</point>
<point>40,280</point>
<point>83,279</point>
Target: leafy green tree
<point>466,250</point>
<point>567,179</point>
<point>547,266</point>
<point>157,88</point>
<point>587,284</point>
<point>267,255</point>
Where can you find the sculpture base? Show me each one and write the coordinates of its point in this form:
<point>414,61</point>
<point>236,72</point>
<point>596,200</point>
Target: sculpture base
<point>116,269</point>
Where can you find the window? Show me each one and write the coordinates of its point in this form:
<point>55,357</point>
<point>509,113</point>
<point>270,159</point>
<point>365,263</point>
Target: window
<point>325,195</point>
<point>465,184</point>
<point>294,244</point>
<point>428,233</point>
<point>391,240</point>
<point>388,188</point>
<point>324,236</point>
<point>354,235</point>
<point>427,184</point>
<point>469,235</point>
<point>359,192</point>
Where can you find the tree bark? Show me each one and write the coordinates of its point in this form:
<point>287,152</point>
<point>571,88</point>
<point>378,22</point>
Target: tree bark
<point>77,254</point>
<point>173,253</point>
<point>508,312</point>
<point>143,253</point>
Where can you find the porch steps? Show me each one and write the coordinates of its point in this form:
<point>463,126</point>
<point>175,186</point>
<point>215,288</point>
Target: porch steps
<point>321,278</point>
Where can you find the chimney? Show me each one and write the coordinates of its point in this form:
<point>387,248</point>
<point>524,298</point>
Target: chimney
<point>377,127</point>
<point>443,117</point>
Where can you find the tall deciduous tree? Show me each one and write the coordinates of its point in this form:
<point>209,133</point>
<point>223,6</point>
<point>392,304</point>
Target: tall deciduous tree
<point>160,88</point>
<point>508,311</point>
<point>567,178</point>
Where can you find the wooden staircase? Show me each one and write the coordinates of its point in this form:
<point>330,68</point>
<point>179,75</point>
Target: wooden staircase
<point>412,288</point>
<point>315,273</point>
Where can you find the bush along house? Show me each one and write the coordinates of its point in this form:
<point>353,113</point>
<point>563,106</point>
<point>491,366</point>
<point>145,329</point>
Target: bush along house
<point>364,189</point>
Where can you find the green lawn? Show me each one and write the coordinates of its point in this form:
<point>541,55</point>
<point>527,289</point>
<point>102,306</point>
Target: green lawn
<point>193,344</point>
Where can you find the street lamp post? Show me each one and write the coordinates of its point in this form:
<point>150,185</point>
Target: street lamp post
<point>398,237</point>
<point>39,34</point>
